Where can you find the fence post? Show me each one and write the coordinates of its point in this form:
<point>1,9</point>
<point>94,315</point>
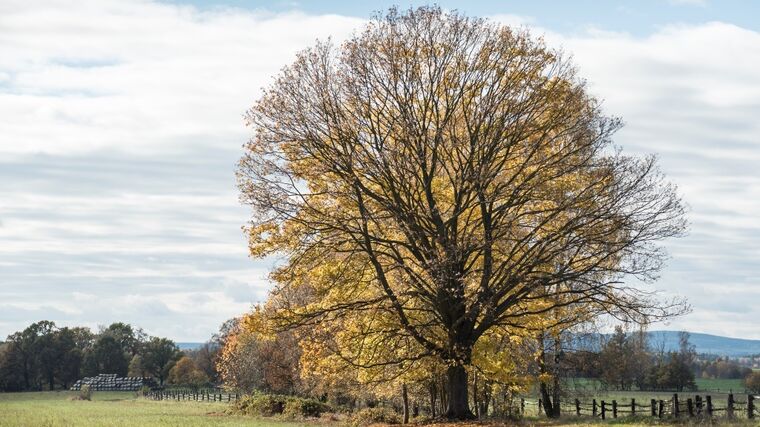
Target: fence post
<point>709,406</point>
<point>750,406</point>
<point>676,409</point>
<point>633,407</point>
<point>604,410</point>
<point>661,408</point>
<point>614,408</point>
<point>577,407</point>
<point>522,406</point>
<point>653,407</point>
<point>690,407</point>
<point>540,404</point>
<point>593,408</point>
<point>698,403</point>
<point>730,406</point>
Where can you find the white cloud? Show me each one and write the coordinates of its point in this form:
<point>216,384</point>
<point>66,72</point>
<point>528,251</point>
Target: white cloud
<point>122,124</point>
<point>700,3</point>
<point>692,95</point>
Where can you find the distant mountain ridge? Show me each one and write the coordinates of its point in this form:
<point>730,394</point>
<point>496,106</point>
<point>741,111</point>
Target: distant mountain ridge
<point>668,340</point>
<point>189,345</point>
<point>706,343</point>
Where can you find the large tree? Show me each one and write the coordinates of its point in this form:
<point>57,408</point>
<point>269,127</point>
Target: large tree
<point>439,178</point>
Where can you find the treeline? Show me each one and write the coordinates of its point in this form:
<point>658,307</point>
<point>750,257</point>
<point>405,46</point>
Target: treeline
<point>627,361</point>
<point>47,357</point>
<point>721,368</point>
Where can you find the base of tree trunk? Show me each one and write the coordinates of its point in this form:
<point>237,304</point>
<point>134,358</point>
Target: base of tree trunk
<point>459,403</point>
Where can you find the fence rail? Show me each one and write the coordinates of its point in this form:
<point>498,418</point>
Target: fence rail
<point>698,406</point>
<point>701,407</point>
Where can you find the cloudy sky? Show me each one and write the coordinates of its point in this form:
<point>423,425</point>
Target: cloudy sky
<point>121,123</point>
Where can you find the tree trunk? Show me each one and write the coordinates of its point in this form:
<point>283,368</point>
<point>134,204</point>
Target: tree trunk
<point>546,400</point>
<point>405,399</point>
<point>459,404</point>
<point>475,394</point>
<point>433,396</point>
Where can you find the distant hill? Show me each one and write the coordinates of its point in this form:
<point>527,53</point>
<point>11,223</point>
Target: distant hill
<point>189,345</point>
<point>706,343</point>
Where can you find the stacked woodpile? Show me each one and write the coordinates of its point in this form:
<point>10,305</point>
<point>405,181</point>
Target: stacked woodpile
<point>110,382</point>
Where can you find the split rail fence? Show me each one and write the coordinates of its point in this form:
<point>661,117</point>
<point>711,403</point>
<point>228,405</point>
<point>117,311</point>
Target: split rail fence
<point>675,407</point>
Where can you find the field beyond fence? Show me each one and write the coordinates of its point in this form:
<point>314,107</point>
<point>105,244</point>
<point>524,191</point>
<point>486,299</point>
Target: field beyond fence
<point>677,406</point>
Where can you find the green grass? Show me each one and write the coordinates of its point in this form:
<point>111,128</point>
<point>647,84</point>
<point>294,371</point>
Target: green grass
<point>723,385</point>
<point>40,409</point>
<point>590,386</point>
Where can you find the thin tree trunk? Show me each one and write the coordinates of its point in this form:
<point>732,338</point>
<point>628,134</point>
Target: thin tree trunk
<point>475,394</point>
<point>546,398</point>
<point>405,399</point>
<point>433,398</point>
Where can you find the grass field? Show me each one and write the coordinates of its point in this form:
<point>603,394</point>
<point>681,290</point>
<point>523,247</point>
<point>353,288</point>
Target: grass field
<point>43,409</point>
<point>704,386</point>
<point>116,409</point>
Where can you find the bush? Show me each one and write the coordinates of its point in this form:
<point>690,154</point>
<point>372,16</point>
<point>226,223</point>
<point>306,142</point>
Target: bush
<point>369,416</point>
<point>296,407</point>
<point>85,392</point>
<point>144,391</point>
<point>267,405</point>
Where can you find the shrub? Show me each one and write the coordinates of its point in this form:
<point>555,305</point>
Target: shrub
<point>265,405</point>
<point>296,407</point>
<point>369,416</point>
<point>85,392</point>
<point>144,391</point>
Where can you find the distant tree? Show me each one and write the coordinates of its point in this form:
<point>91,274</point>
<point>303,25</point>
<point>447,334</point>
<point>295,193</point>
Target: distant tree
<point>30,352</point>
<point>205,358</point>
<point>723,369</point>
<point>185,373</point>
<point>158,357</point>
<point>752,382</point>
<point>68,364</point>
<point>11,368</point>
<point>136,368</point>
<point>128,338</point>
<point>674,370</point>
<point>616,361</point>
<point>640,358</point>
<point>109,357</point>
<point>253,360</point>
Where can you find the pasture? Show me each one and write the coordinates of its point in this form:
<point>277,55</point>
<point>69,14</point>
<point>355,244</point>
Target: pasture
<point>35,409</point>
<point>39,409</point>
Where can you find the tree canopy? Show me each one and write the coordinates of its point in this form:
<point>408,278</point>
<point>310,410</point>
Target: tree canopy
<point>439,184</point>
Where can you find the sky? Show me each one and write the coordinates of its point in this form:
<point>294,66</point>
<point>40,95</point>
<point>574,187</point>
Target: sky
<point>121,124</point>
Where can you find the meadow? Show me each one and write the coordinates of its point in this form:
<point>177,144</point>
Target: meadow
<point>41,409</point>
<point>35,409</point>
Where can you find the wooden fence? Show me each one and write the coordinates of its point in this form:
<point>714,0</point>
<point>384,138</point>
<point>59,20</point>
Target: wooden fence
<point>675,407</point>
<point>194,395</point>
<point>698,406</point>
